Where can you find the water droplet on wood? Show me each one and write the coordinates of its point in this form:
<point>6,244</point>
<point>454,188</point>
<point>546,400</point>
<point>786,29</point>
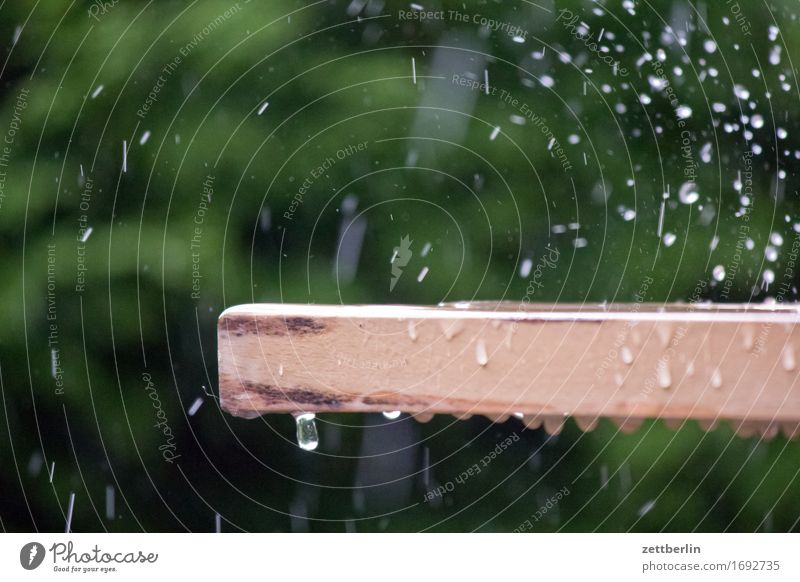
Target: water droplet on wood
<point>627,355</point>
<point>664,377</point>
<point>788,360</point>
<point>480,353</point>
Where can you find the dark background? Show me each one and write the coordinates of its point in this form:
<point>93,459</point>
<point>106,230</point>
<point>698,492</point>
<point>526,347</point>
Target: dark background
<point>340,73</point>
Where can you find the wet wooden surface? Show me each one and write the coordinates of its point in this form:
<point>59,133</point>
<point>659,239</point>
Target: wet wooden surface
<point>627,362</point>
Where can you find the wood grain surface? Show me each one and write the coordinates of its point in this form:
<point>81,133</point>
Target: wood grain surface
<point>544,363</point>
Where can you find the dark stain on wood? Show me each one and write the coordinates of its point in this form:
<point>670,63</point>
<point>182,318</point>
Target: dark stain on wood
<point>394,401</point>
<point>240,325</point>
<point>294,397</point>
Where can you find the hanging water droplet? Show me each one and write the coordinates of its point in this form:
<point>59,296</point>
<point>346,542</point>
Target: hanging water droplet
<point>480,353</point>
<point>307,437</point>
<point>393,415</point>
<point>788,360</point>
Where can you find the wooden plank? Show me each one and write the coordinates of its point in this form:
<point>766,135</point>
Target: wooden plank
<point>629,362</point>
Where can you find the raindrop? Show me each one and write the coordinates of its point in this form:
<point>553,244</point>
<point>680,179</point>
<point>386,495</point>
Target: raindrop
<point>580,243</point>
<point>664,378</point>
<point>480,353</point>
<point>307,437</point>
<point>669,239</point>
<point>688,193</point>
<point>741,92</point>
<point>393,415</point>
<point>70,510</point>
<point>788,360</point>
<point>627,355</point>
<point>683,112</point>
<point>647,508</point>
<point>718,273</point>
<point>716,378</point>
<point>768,278</point>
<point>198,402</point>
<point>110,504</point>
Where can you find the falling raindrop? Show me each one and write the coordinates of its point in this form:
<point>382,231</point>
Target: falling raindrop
<point>110,505</point>
<point>70,510</point>
<point>683,112</point>
<point>525,268</point>
<point>741,92</point>
<point>688,193</point>
<point>307,437</point>
<point>768,278</point>
<point>198,402</point>
<point>647,508</point>
<point>718,273</point>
